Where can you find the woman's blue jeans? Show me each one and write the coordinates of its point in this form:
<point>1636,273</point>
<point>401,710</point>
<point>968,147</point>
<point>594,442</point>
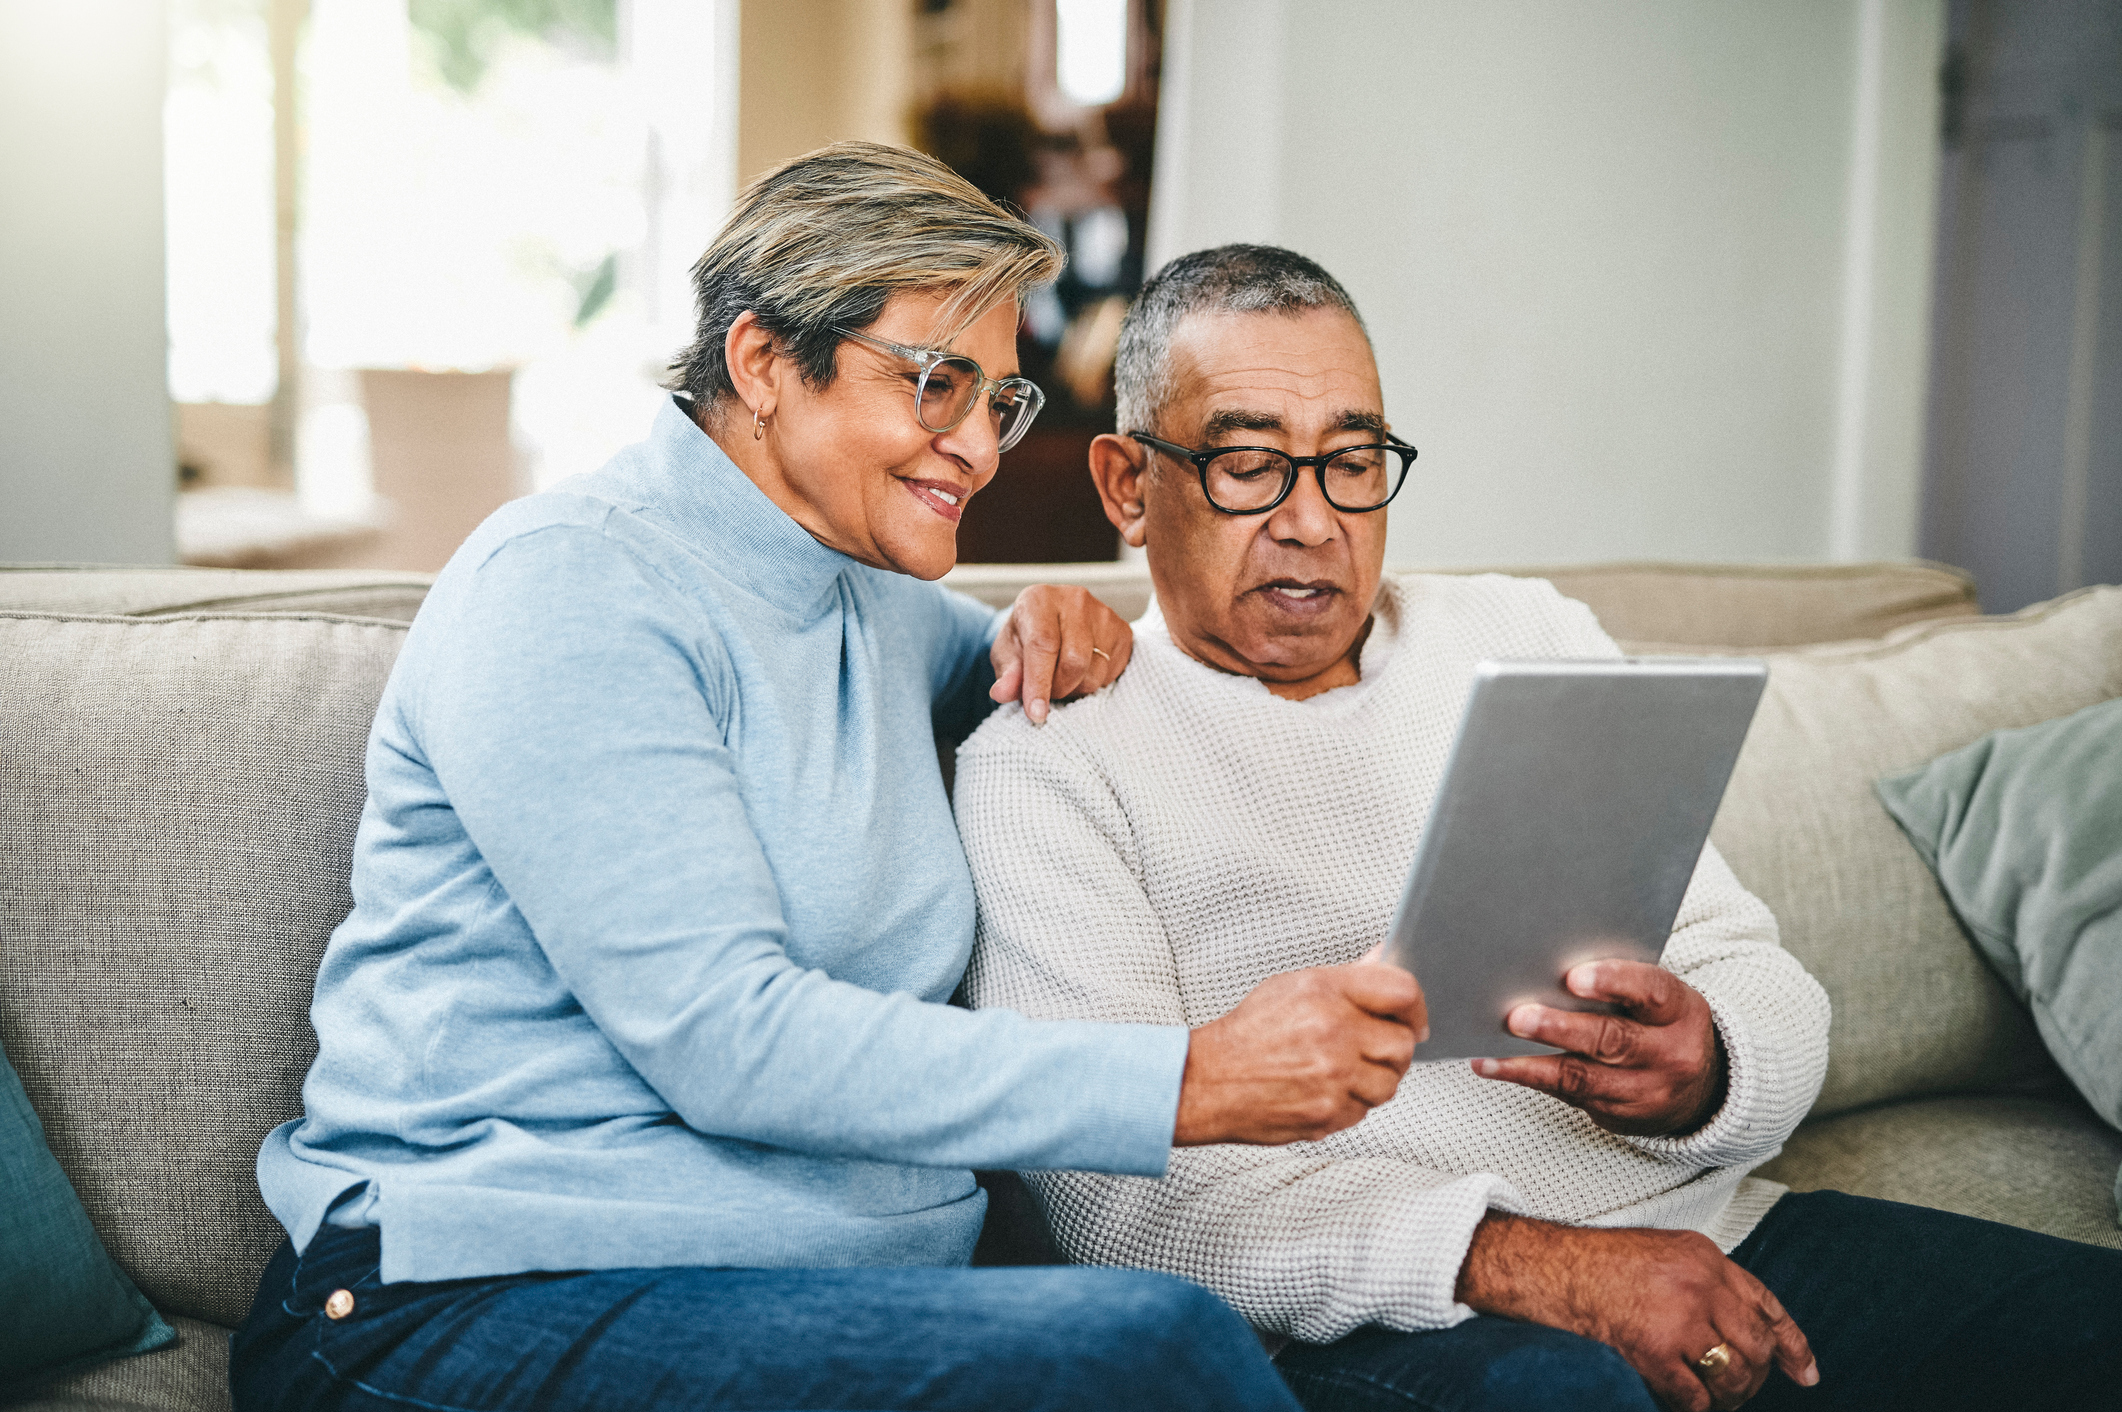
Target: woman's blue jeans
<point>661,1339</point>
<point>1905,1308</point>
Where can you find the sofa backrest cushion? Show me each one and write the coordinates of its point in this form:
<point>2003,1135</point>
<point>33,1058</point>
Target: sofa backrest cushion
<point>1762,605</point>
<point>1677,606</point>
<point>168,592</point>
<point>1916,1010</point>
<point>178,799</point>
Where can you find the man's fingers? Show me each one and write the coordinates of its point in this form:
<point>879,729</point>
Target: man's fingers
<point>1386,991</point>
<point>1651,994</point>
<point>1677,1386</point>
<point>1376,1084</point>
<point>1609,1039</point>
<point>1794,1353</point>
<point>1574,1081</point>
<point>1388,1043</point>
<point>1749,1351</point>
<point>1545,1073</point>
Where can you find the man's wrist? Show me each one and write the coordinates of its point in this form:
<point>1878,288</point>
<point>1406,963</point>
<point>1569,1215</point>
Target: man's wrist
<point>1516,1267</point>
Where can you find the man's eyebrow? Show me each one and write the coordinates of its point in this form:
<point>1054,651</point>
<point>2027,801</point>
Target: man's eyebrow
<point>1230,420</point>
<point>1238,419</point>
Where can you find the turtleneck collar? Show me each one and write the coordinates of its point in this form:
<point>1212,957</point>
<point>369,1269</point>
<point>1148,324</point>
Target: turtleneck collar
<point>684,479</point>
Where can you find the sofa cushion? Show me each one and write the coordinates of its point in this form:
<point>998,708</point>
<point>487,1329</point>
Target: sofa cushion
<point>178,800</point>
<point>140,593</point>
<point>62,1302</point>
<point>2046,1164</point>
<point>2024,830</point>
<point>1915,1009</point>
<point>191,1375</point>
<point>1678,606</point>
<point>1761,605</point>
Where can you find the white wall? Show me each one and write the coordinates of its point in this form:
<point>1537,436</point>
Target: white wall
<point>1646,278</point>
<point>87,471</point>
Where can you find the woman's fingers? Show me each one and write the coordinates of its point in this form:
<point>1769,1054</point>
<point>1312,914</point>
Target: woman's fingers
<point>1106,669</point>
<point>1057,643</point>
<point>1007,678</point>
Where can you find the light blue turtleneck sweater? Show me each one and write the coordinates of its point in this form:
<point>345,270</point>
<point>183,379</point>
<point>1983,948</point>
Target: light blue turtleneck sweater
<point>657,903</point>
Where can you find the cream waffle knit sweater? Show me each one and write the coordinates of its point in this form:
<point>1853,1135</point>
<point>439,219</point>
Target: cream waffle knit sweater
<point>1157,850</point>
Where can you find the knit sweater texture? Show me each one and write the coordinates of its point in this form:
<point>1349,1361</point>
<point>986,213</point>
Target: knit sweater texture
<point>1156,851</point>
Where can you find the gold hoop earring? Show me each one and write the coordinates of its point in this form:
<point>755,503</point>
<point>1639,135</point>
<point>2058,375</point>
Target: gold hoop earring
<point>758,430</point>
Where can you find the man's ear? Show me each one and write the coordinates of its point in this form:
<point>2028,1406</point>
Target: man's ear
<point>755,366</point>
<point>1119,466</point>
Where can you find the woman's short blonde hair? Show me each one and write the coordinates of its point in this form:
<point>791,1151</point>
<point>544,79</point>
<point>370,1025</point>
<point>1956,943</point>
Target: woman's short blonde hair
<point>824,241</point>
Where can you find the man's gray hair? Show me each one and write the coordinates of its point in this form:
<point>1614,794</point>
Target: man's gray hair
<point>1230,279</point>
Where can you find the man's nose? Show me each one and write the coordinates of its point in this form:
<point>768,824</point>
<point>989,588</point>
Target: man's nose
<point>1304,517</point>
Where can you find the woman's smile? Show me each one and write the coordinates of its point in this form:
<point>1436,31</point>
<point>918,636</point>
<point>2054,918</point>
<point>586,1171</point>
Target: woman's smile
<point>943,497</point>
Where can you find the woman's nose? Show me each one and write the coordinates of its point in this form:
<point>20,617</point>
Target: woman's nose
<point>974,442</point>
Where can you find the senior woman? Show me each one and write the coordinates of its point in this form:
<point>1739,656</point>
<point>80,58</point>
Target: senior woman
<point>636,1087</point>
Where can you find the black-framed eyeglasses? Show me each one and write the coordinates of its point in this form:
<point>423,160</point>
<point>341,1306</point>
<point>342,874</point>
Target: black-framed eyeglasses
<point>949,385</point>
<point>1252,480</point>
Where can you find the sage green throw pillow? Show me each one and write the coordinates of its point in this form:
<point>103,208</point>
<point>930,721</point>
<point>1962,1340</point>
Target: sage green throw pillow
<point>2024,830</point>
<point>63,1304</point>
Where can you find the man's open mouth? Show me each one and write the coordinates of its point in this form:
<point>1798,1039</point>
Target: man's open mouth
<point>1296,596</point>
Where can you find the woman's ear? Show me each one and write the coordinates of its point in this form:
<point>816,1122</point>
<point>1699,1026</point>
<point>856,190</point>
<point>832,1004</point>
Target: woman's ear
<point>755,366</point>
<point>1118,466</point>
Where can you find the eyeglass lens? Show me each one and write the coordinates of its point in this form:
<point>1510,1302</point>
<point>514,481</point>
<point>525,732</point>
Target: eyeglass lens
<point>949,386</point>
<point>1361,478</point>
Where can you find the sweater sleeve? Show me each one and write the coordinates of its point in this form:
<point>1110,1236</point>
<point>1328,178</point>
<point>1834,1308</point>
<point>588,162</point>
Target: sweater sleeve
<point>573,714</point>
<point>1771,1016</point>
<point>1298,1240</point>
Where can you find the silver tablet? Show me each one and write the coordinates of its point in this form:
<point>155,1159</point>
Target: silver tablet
<point>1572,811</point>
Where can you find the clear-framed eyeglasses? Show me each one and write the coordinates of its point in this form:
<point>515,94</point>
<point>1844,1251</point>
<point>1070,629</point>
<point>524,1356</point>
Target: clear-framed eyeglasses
<point>1252,480</point>
<point>949,385</point>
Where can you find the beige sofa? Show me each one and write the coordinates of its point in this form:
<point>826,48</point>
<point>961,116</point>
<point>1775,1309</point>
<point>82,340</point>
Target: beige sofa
<point>180,774</point>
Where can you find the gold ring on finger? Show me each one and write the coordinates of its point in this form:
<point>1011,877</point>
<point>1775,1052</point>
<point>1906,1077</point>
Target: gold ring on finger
<point>1101,652</point>
<point>1715,1361</point>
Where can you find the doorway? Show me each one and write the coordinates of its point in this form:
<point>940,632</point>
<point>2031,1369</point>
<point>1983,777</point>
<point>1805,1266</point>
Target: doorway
<point>2023,467</point>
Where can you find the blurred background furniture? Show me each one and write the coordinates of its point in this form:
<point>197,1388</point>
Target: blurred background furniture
<point>182,774</point>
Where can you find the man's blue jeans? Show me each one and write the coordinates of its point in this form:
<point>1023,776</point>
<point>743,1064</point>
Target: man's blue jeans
<point>661,1339</point>
<point>1905,1308</point>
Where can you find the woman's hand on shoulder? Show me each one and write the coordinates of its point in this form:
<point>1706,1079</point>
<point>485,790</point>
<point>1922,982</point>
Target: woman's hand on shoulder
<point>1058,643</point>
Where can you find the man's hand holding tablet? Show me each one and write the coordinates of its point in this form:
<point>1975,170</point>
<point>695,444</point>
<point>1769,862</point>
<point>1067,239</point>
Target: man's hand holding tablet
<point>1652,1068</point>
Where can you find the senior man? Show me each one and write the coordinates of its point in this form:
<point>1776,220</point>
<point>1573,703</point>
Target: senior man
<point>1572,1231</point>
